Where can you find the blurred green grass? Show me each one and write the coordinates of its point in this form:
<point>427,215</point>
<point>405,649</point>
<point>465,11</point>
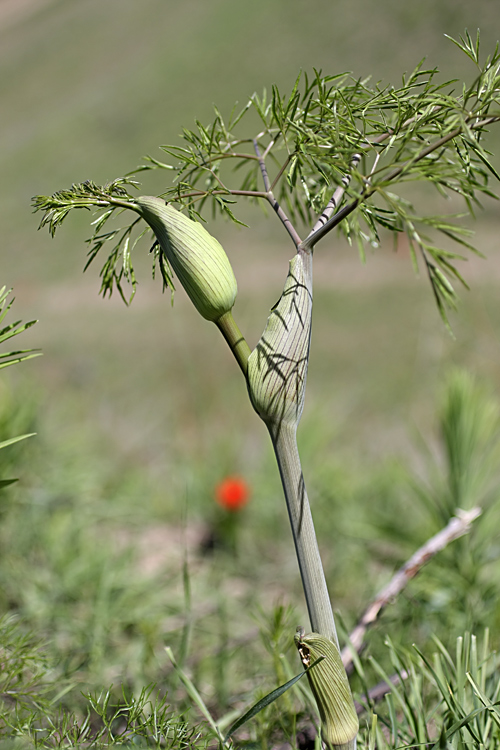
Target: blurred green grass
<point>140,410</point>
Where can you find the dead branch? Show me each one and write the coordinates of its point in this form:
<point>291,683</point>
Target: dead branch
<point>457,527</point>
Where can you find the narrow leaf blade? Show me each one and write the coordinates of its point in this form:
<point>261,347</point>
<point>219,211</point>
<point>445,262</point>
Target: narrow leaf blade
<point>267,700</point>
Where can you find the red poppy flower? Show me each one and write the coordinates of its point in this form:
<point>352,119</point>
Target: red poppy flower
<point>232,493</point>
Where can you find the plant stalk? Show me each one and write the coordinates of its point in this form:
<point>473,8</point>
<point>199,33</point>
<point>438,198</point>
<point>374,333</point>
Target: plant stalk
<point>235,339</point>
<point>276,378</point>
<point>304,536</point>
<point>332,692</point>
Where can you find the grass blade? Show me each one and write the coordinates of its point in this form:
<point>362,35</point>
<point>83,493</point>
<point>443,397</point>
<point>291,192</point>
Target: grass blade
<point>11,441</point>
<point>267,700</point>
<point>194,694</point>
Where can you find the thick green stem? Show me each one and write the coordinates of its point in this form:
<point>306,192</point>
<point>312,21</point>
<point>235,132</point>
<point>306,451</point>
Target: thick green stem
<point>237,343</point>
<point>304,536</point>
<point>276,378</point>
<point>333,696</point>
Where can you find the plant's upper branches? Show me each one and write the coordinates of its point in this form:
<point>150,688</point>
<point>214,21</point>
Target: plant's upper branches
<point>309,138</point>
<point>327,155</point>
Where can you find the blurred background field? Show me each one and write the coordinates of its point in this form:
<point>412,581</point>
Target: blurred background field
<point>140,411</point>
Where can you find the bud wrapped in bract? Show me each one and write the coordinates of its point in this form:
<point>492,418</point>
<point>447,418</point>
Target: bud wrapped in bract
<point>277,367</point>
<point>329,684</point>
<point>197,258</point>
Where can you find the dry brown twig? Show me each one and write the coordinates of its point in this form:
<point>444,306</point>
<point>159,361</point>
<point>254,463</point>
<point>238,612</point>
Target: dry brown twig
<point>457,527</point>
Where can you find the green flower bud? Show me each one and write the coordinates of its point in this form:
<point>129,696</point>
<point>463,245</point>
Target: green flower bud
<point>329,684</point>
<point>277,367</point>
<point>197,258</point>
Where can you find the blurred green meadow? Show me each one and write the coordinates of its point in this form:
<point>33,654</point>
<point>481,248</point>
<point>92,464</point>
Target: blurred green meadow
<point>139,411</point>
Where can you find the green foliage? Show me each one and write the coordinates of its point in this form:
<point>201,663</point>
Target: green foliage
<point>24,677</point>
<point>114,197</point>
<point>85,195</point>
<point>11,330</point>
<point>11,358</point>
<point>145,720</point>
<point>449,700</point>
<point>30,707</point>
<point>469,426</point>
<point>103,620</point>
<point>435,697</point>
<point>104,617</point>
<point>458,469</point>
<point>327,155</point>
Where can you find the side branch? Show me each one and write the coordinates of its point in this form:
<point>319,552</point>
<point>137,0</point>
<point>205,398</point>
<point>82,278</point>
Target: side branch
<point>336,197</point>
<point>262,165</point>
<point>280,173</point>
<point>284,220</point>
<point>205,193</point>
<point>369,188</point>
<point>457,527</point>
<point>273,201</point>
